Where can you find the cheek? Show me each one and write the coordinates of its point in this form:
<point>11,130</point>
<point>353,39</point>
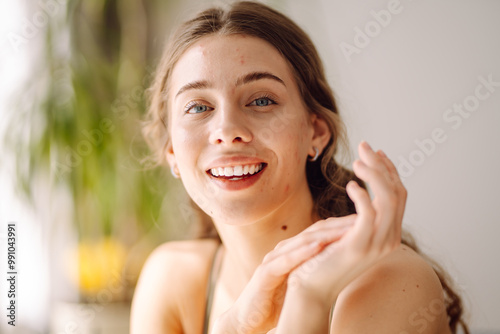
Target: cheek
<point>184,145</point>
<point>301,140</point>
<point>295,149</point>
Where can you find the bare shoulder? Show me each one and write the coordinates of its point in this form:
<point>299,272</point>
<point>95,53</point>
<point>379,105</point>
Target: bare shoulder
<point>400,294</point>
<point>171,286</point>
<point>186,255</point>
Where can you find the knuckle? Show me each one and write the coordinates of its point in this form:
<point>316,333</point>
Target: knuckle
<point>317,225</point>
<point>374,173</point>
<point>281,244</point>
<point>267,257</point>
<point>286,259</point>
<point>392,199</point>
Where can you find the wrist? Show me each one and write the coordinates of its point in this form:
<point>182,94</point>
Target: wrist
<point>224,324</point>
<point>314,301</point>
<point>304,312</point>
<point>300,291</point>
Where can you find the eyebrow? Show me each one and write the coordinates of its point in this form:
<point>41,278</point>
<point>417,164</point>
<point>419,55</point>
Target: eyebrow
<point>247,78</point>
<point>194,85</point>
<point>254,76</point>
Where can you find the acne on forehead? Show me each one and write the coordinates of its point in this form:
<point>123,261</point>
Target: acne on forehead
<point>214,56</point>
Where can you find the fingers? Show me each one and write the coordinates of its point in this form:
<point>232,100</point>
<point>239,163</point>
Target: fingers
<point>393,173</point>
<point>327,231</point>
<point>292,252</point>
<point>380,182</point>
<point>372,169</point>
<point>282,263</point>
<point>332,222</point>
<point>400,189</point>
<point>371,159</point>
<point>364,226</point>
<point>389,193</point>
<point>380,162</point>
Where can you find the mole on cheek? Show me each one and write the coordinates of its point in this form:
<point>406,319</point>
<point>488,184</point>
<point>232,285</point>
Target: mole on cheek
<point>284,227</point>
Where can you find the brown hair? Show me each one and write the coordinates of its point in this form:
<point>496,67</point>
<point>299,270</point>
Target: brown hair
<point>326,178</point>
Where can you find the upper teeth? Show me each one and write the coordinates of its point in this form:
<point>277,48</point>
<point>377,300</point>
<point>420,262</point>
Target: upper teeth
<point>236,170</point>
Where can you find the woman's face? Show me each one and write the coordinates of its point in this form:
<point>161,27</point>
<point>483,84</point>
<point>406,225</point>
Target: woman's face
<point>240,134</point>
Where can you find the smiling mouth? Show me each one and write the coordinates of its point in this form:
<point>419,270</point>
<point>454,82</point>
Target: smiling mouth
<point>235,173</point>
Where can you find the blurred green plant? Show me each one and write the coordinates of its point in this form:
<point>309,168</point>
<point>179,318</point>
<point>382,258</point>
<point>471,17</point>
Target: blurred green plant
<point>77,125</point>
<point>78,120</point>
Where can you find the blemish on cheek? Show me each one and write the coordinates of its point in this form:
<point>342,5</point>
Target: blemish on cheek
<point>242,60</point>
<point>284,227</point>
<point>287,188</point>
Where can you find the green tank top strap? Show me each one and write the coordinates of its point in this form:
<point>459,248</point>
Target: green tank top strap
<point>331,317</point>
<point>212,280</point>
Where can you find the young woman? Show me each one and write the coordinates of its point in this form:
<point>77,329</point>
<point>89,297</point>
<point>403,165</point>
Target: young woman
<point>243,115</point>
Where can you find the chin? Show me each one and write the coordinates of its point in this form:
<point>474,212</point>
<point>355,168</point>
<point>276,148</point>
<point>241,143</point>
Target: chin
<point>240,214</point>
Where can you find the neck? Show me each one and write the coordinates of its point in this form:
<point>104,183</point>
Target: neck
<point>247,245</point>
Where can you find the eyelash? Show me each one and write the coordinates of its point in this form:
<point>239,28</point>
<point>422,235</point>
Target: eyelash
<point>191,105</point>
<point>194,104</point>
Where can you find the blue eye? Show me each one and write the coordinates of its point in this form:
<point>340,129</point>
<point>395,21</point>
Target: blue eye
<point>196,108</point>
<point>199,108</point>
<point>262,102</point>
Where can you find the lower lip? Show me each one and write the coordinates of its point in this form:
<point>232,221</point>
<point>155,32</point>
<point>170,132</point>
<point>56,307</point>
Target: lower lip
<point>240,184</point>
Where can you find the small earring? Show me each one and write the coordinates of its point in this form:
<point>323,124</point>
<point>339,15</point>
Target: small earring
<point>174,173</point>
<point>315,155</point>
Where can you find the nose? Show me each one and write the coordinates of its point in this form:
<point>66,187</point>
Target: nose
<point>231,126</point>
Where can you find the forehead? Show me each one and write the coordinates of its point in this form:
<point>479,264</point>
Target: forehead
<point>223,59</point>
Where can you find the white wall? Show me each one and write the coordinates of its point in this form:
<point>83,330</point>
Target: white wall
<point>397,90</point>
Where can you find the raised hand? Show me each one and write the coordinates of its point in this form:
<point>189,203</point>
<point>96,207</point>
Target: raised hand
<point>375,233</point>
<point>320,261</point>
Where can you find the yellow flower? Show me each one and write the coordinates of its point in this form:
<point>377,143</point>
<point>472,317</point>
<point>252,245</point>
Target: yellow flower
<point>98,266</point>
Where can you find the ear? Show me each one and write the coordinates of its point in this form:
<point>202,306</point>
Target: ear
<point>321,134</point>
<point>170,155</point>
